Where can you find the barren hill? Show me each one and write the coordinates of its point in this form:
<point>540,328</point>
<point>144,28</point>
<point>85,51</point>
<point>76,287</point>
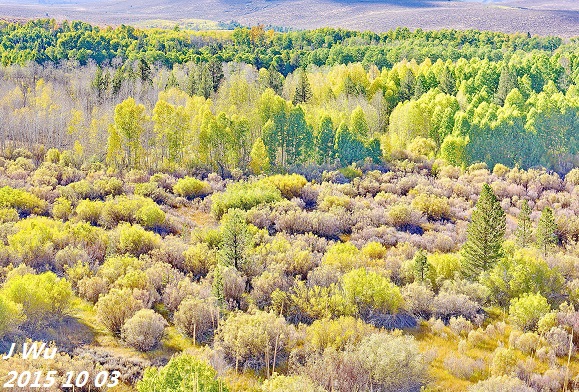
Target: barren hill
<point>543,17</point>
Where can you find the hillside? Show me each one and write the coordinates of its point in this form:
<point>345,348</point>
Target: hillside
<point>543,17</point>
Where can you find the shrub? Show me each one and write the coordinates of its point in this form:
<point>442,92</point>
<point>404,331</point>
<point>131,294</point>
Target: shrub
<point>183,373</point>
<point>434,207</point>
<point>331,202</point>
<point>418,299</point>
<point>504,361</point>
<point>117,266</point>
<point>79,190</point>
<point>244,196</point>
<point>296,383</point>
<point>134,240</point>
<point>126,209</point>
<point>572,178</point>
<point>43,297</point>
<point>62,209</point>
<point>265,284</point>
<point>513,277</point>
<point>24,202</point>
<point>460,326</point>
<point>337,334</point>
<point>197,318</point>
<point>90,288</point>
<point>253,338</point>
<point>108,187</point>
<point>89,211</point>
<point>114,308</point>
<point>52,155</point>
<point>68,257</point>
<point>526,311</point>
<point>8,215</point>
<point>144,330</point>
<point>343,256</point>
<point>150,216</point>
<point>445,265</point>
<point>400,215</point>
<point>176,292</point>
<point>528,342</point>
<point>199,259</point>
<point>369,292</point>
<point>500,384</point>
<point>190,188</point>
<point>464,367</point>
<point>447,305</point>
<point>560,341</point>
<point>289,185</point>
<point>12,316</point>
<point>393,362</point>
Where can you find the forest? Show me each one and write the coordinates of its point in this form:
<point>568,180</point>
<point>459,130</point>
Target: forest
<point>325,210</point>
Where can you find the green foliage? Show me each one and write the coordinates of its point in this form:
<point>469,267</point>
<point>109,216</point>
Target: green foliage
<point>150,216</point>
<point>259,160</point>
<point>62,209</point>
<point>526,311</point>
<point>522,274</point>
<point>134,240</point>
<point>433,206</point>
<point>235,239</point>
<point>290,185</point>
<point>337,334</point>
<point>42,298</point>
<point>485,235</point>
<point>191,187</point>
<point>547,231</point>
<point>421,266</point>
<point>453,148</point>
<point>371,292</point>
<point>244,196</point>
<point>183,373</point>
<point>24,202</point>
<point>12,316</point>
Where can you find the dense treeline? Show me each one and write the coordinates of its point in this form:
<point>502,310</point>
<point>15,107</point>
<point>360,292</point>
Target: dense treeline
<point>512,99</point>
<point>48,41</point>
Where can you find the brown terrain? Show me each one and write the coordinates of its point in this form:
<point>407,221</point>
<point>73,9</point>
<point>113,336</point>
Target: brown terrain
<point>544,17</point>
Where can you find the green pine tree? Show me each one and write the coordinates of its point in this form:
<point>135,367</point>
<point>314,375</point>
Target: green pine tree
<point>303,92</point>
<point>171,82</point>
<point>421,266</point>
<point>325,141</point>
<point>235,239</point>
<point>485,234</point>
<point>447,81</point>
<point>217,286</point>
<point>507,82</point>
<point>547,231</point>
<point>524,230</point>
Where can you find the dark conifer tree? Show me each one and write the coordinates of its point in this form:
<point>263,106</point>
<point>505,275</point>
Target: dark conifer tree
<point>485,235</point>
